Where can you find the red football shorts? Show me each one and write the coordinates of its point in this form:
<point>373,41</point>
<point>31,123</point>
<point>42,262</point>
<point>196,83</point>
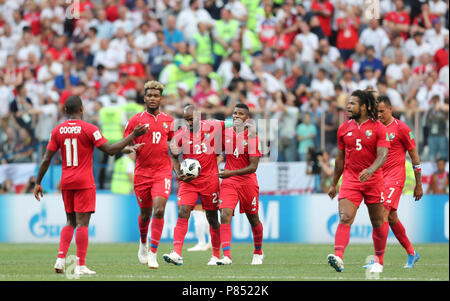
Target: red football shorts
<point>208,192</point>
<point>146,189</point>
<point>82,200</point>
<point>392,196</point>
<point>246,195</point>
<point>355,192</point>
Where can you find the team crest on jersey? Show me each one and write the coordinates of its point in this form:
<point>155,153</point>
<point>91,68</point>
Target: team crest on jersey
<point>369,133</point>
<point>244,143</point>
<point>165,125</point>
<point>349,133</point>
<point>391,136</point>
<point>206,135</point>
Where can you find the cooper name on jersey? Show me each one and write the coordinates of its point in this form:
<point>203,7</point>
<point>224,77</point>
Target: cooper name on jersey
<point>70,130</point>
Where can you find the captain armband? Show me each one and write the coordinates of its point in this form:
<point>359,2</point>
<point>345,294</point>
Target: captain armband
<point>417,168</point>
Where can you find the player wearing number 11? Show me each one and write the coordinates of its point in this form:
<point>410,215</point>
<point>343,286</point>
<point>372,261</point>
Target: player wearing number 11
<point>77,139</point>
<point>153,170</point>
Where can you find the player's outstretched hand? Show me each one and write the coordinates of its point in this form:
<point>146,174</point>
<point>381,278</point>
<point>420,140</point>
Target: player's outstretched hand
<point>185,178</point>
<point>332,192</point>
<point>136,147</point>
<point>38,191</point>
<point>223,174</point>
<point>140,130</point>
<point>418,192</point>
<point>365,175</point>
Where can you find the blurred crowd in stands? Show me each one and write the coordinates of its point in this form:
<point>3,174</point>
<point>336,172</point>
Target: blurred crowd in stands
<point>293,61</point>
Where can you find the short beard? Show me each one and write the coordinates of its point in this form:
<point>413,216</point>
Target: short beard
<point>355,116</point>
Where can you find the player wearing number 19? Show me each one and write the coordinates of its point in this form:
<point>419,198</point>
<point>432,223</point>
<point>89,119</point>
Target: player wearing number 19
<point>363,147</point>
<point>77,139</point>
<point>153,170</point>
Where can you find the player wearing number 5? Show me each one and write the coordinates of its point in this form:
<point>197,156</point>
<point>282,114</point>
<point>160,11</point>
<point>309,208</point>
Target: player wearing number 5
<point>363,147</point>
<point>239,184</point>
<point>153,170</point>
<point>200,140</point>
<point>77,139</point>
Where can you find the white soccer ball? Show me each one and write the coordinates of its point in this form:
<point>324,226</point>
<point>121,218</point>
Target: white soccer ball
<point>190,167</point>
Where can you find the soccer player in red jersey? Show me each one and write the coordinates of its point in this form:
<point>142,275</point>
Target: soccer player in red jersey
<point>402,141</point>
<point>363,147</point>
<point>199,140</point>
<point>239,184</point>
<point>77,139</point>
<point>153,170</point>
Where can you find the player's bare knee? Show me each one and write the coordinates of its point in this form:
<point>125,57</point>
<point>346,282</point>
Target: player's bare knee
<point>184,212</point>
<point>392,219</point>
<point>346,219</point>
<point>225,217</point>
<point>158,212</point>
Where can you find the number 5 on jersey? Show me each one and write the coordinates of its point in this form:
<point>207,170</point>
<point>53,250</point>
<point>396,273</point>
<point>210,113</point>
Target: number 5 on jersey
<point>358,144</point>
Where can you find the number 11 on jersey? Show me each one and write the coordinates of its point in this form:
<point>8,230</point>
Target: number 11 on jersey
<point>69,143</point>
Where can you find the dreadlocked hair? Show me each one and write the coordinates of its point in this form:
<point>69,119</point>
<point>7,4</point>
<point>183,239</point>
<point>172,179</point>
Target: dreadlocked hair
<point>367,98</point>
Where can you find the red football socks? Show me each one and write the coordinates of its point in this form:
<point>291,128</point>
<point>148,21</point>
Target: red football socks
<point>179,233</point>
<point>341,239</point>
<point>143,229</point>
<point>66,239</point>
<point>400,234</point>
<point>379,236</point>
<point>257,238</point>
<point>81,240</point>
<point>225,236</point>
<point>157,228</point>
<point>215,241</point>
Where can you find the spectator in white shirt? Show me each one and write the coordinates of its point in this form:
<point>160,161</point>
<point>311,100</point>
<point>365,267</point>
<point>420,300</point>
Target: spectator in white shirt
<point>48,71</point>
<point>309,40</point>
<point>323,85</point>
<point>394,96</point>
<point>438,8</point>
<point>394,70</point>
<point>110,59</point>
<point>188,18</point>
<point>8,40</point>
<point>6,97</point>
<point>435,35</point>
<point>144,40</point>
<point>56,14</point>
<point>415,47</point>
<point>331,52</point>
<point>428,90</point>
<point>376,36</point>
<point>123,21</point>
<point>26,46</point>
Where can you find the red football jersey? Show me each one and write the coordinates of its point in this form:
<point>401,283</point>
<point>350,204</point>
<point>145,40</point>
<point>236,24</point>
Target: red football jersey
<point>238,149</point>
<point>360,142</point>
<point>202,146</point>
<point>76,139</point>
<point>402,140</point>
<point>152,159</point>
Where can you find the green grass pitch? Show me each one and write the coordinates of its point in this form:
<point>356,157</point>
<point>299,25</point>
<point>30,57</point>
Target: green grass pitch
<point>282,262</point>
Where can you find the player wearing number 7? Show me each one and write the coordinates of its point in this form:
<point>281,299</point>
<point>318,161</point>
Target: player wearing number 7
<point>77,139</point>
<point>200,140</point>
<point>153,170</point>
<point>363,147</point>
<point>402,141</point>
